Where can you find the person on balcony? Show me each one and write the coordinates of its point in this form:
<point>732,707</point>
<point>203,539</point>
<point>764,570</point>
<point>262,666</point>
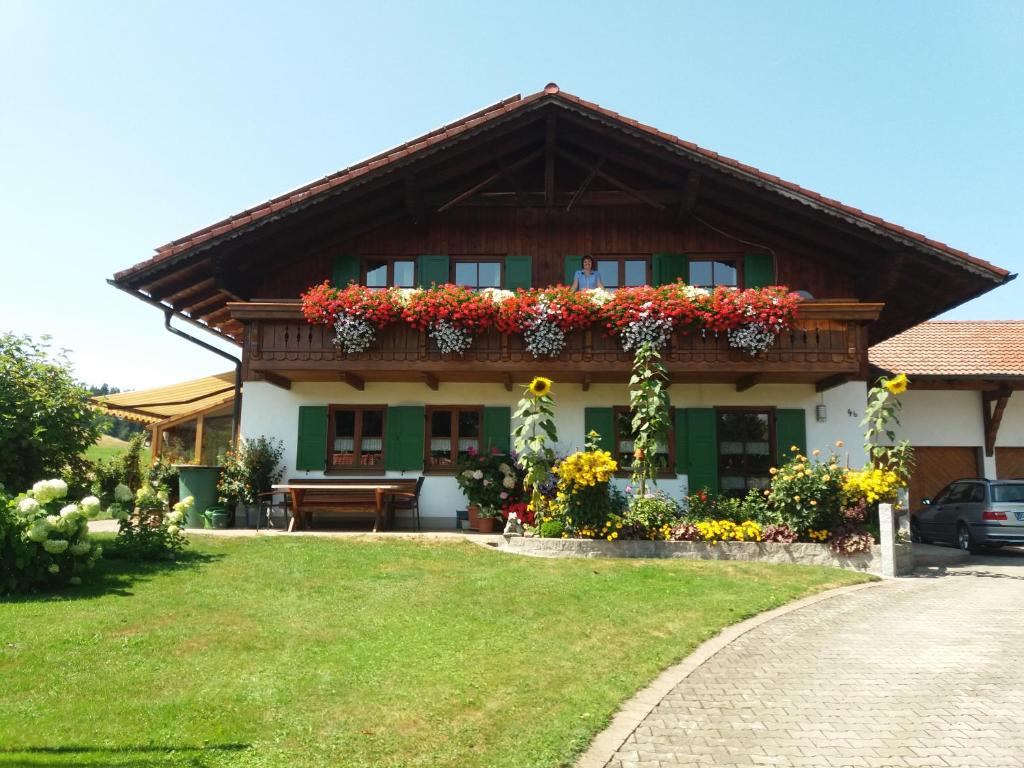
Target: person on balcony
<point>587,278</point>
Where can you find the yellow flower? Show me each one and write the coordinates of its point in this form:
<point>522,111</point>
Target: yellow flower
<point>793,448</point>
<point>540,386</point>
<point>826,478</point>
<point>896,385</point>
<point>773,471</point>
<point>814,503</point>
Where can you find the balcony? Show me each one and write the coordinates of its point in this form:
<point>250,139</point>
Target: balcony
<point>828,348</point>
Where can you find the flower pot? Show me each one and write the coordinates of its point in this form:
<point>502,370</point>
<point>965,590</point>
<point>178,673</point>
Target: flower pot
<point>474,517</point>
<point>485,524</point>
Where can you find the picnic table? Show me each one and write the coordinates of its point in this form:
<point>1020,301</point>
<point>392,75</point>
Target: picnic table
<point>358,498</point>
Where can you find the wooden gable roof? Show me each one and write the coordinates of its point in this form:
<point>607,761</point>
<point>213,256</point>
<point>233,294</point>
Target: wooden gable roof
<point>916,276</point>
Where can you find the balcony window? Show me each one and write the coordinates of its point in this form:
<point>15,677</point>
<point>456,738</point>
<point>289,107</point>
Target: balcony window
<point>356,438</point>
<point>708,273</point>
<point>385,273</point>
<point>477,274</point>
<point>622,271</point>
<point>452,433</point>
<point>745,449</point>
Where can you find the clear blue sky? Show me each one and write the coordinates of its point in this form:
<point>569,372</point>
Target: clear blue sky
<point>124,125</point>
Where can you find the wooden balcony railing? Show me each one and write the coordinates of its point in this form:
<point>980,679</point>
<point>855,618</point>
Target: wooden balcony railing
<point>279,345</point>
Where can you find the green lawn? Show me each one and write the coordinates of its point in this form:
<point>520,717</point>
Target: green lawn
<point>303,652</point>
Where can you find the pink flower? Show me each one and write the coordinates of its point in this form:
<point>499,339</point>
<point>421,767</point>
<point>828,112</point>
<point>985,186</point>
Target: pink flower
<point>503,495</point>
<point>471,450</point>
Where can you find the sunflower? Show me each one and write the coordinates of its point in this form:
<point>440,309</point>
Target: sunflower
<point>897,385</point>
<point>540,386</point>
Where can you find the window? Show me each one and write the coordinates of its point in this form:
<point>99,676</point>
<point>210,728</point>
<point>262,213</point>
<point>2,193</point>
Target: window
<point>625,437</point>
<point>745,452</point>
<point>622,271</point>
<point>452,431</point>
<point>709,272</point>
<point>477,273</point>
<point>355,438</point>
<point>384,273</point>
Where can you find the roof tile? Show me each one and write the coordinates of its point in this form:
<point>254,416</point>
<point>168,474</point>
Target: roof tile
<point>955,348</point>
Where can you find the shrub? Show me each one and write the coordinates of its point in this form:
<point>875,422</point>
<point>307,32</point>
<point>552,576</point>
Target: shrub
<point>704,505</point>
<point>47,420</point>
<point>650,517</point>
<point>44,540</point>
<point>489,480</point>
<point>125,469</point>
<point>685,532</point>
<point>806,493</point>
<point>849,539</point>
<point>584,501</point>
<point>249,470</point>
<point>551,528</point>
<point>778,534</point>
<point>150,533</point>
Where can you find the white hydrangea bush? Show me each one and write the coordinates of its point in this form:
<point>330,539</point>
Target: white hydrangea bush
<point>44,538</point>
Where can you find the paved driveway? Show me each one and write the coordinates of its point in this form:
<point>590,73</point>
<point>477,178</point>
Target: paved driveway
<point>925,671</point>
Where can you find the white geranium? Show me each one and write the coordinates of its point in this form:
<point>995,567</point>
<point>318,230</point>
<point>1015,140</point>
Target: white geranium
<point>405,295</point>
<point>55,546</point>
<point>28,506</point>
<point>450,338</point>
<point>478,474</point>
<point>91,506</point>
<point>468,473</point>
<point>123,493</point>
<point>504,468</point>
<point>600,296</point>
<point>692,292</point>
<point>509,481</point>
<point>497,295</point>
<point>49,490</point>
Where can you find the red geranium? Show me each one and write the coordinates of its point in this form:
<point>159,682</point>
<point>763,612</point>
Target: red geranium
<point>568,309</point>
<point>458,305</point>
<point>323,303</point>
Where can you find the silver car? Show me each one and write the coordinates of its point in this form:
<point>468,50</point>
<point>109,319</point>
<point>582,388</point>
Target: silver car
<point>972,514</point>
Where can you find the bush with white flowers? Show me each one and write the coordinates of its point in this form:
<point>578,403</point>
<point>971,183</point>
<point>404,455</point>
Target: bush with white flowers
<point>150,531</point>
<point>44,539</point>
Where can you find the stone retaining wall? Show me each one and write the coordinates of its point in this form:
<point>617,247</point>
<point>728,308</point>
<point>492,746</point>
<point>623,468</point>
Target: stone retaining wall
<point>804,554</point>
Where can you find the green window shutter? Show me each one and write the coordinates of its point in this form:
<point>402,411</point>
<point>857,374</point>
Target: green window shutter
<point>758,270</point>
<point>345,270</point>
<point>701,442</point>
<point>497,428</point>
<point>432,269</point>
<point>518,272</point>
<point>403,445</point>
<point>680,437</point>
<point>572,265</point>
<point>666,268</point>
<point>312,451</point>
<point>602,421</point>
<point>790,430</point>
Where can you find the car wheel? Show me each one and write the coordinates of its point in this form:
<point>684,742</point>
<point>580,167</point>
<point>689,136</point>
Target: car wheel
<point>915,532</point>
<point>964,539</point>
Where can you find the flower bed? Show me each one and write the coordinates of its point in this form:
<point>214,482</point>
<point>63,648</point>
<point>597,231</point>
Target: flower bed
<point>453,315</point>
<point>804,554</point>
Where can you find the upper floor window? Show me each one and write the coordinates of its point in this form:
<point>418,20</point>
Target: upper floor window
<point>622,271</point>
<point>711,272</point>
<point>388,272</point>
<point>746,437</point>
<point>355,437</point>
<point>452,432</point>
<point>477,273</point>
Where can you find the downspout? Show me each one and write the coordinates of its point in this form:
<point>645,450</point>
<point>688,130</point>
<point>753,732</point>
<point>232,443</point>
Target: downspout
<point>236,415</point>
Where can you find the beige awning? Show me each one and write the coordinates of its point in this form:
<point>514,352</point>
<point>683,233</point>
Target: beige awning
<point>150,406</point>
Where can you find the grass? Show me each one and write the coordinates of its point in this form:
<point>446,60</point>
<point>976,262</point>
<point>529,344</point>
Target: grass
<point>109,447</point>
<point>357,652</point>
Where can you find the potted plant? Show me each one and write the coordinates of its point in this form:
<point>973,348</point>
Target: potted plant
<point>249,470</point>
<point>488,480</point>
<point>487,518</point>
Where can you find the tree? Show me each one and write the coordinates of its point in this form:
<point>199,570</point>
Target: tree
<point>46,421</point>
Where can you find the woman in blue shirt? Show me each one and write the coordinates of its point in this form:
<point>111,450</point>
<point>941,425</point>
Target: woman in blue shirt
<point>587,278</point>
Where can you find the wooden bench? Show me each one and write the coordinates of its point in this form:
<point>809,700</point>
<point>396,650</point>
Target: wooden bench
<point>353,497</point>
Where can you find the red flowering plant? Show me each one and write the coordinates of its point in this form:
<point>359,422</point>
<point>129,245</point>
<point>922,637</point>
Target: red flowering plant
<point>521,510</point>
<point>356,312</point>
<point>752,318</point>
<point>544,316</point>
<point>646,314</point>
<point>451,314</point>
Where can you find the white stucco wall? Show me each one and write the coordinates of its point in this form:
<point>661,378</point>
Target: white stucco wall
<point>272,411</point>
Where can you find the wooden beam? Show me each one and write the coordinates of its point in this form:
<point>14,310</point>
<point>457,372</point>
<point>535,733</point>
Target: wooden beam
<point>611,180</point>
<point>689,194</point>
<point>276,379</point>
<point>586,382</point>
<point>513,179</point>
<point>549,161</point>
<point>490,180</point>
<point>507,381</point>
<point>431,380</point>
<point>746,382</point>
<point>992,417</point>
<point>976,385</point>
<point>832,381</point>
<point>356,382</point>
<point>585,184</point>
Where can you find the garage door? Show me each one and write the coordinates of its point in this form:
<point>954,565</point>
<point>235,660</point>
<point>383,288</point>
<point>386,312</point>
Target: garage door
<point>936,467</point>
<point>1009,463</point>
